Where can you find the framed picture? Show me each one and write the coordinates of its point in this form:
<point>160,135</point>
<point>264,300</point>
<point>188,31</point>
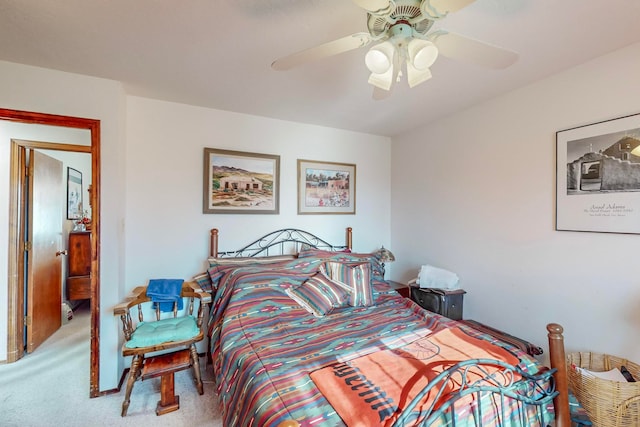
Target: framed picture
<point>326,187</point>
<point>236,182</point>
<point>74,194</point>
<point>598,177</point>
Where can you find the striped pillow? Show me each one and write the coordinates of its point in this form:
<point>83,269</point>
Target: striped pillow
<point>377,272</point>
<point>356,276</point>
<point>219,266</point>
<point>318,295</point>
<point>204,281</point>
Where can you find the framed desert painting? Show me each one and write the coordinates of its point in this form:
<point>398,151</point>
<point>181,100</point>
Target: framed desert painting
<point>326,187</point>
<point>598,177</point>
<point>238,182</point>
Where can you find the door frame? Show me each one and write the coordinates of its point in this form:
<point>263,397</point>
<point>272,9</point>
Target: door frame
<point>15,337</point>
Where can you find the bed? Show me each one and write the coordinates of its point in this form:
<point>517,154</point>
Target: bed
<point>306,333</point>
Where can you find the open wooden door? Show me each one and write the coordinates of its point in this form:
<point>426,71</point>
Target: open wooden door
<point>44,260</point>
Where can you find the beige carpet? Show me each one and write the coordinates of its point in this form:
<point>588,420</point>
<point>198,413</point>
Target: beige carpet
<point>51,388</point>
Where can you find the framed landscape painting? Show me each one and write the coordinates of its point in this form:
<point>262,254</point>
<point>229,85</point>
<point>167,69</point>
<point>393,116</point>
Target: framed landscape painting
<point>326,187</point>
<point>598,177</point>
<point>238,182</point>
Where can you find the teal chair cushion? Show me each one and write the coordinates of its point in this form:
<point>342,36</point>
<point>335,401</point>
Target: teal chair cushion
<point>161,331</point>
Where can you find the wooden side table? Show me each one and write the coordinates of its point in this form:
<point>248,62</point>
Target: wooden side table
<point>401,288</point>
<point>164,366</point>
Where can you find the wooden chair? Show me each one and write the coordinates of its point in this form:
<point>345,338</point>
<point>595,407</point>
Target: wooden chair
<point>179,334</point>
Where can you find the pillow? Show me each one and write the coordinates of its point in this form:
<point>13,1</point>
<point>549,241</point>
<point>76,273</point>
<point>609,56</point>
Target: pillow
<point>219,266</point>
<point>319,295</point>
<point>377,272</point>
<point>311,251</point>
<point>204,281</point>
<point>356,276</point>
<point>243,261</point>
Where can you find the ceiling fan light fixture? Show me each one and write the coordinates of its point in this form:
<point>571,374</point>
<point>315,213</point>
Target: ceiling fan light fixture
<point>383,81</point>
<point>405,43</point>
<point>422,54</point>
<point>379,59</point>
<point>416,76</point>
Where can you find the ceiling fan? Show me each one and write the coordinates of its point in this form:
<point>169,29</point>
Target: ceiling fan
<point>401,31</point>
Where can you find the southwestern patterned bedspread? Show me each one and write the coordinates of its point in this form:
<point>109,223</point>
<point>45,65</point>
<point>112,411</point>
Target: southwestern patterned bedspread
<point>265,345</point>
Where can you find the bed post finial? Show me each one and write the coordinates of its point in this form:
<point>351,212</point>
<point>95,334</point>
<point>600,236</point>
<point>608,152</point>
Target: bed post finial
<point>559,362</point>
<point>349,237</point>
<point>213,248</point>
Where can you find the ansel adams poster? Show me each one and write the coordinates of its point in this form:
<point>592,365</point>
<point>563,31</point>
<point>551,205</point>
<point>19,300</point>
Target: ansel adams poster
<point>598,177</point>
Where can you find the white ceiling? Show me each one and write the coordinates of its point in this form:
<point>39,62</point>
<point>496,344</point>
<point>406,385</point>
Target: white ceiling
<point>217,53</point>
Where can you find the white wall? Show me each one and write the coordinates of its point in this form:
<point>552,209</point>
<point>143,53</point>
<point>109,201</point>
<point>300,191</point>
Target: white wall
<point>167,233</point>
<point>475,193</point>
<point>47,91</point>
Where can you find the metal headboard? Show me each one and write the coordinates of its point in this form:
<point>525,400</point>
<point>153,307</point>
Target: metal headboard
<point>280,242</point>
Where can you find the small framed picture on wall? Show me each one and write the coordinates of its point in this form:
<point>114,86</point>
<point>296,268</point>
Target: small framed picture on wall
<point>326,187</point>
<point>74,194</point>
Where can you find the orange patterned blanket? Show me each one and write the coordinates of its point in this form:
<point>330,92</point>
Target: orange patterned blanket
<point>372,390</point>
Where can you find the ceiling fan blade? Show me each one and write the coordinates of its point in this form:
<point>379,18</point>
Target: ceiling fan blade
<point>442,7</point>
<point>376,7</point>
<point>456,46</point>
<point>335,47</point>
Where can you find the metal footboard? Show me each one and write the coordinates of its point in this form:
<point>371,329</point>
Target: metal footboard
<point>474,383</point>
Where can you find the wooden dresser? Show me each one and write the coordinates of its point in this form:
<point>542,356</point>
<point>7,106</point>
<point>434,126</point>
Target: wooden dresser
<point>79,280</point>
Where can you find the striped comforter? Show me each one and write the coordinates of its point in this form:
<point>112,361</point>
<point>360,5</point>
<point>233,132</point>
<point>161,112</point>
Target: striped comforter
<point>264,345</point>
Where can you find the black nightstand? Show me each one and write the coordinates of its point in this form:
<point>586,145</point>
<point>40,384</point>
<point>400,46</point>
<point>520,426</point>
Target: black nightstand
<point>442,301</point>
<point>401,288</point>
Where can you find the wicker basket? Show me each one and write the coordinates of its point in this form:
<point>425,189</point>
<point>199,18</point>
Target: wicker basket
<point>608,403</point>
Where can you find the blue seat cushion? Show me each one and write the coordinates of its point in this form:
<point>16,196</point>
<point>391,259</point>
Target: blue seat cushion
<point>164,330</point>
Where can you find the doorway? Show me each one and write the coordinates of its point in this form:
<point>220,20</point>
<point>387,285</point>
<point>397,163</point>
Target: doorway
<point>16,297</point>
<point>42,199</point>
